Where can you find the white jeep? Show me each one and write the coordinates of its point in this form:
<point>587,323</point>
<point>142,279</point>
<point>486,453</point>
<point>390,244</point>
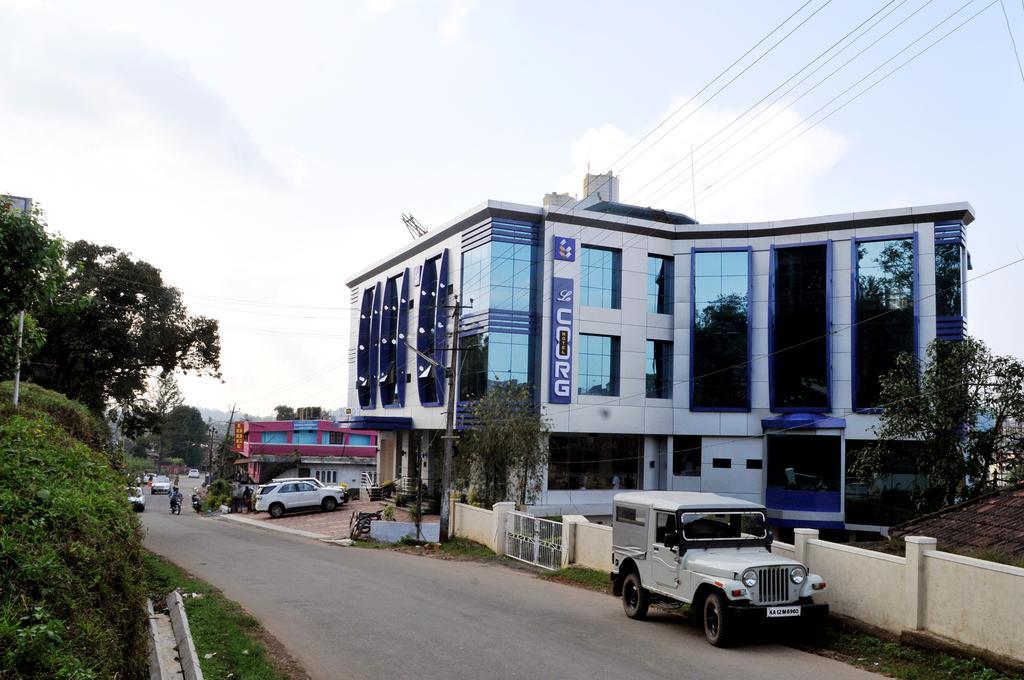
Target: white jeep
<point>708,551</point>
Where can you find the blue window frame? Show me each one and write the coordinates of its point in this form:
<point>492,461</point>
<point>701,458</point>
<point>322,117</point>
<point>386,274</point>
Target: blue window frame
<point>949,284</point>
<point>364,377</point>
<point>600,277</point>
<point>799,342</point>
<point>659,284</point>
<point>359,440</point>
<point>658,362</point>
<point>720,329</point>
<point>599,365</point>
<point>303,437</point>
<point>278,437</point>
<point>884,311</point>
<point>427,380</point>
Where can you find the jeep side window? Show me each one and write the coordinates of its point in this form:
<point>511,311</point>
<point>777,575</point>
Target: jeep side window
<point>665,522</point>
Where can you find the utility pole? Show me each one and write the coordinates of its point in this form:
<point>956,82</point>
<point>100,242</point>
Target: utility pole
<point>449,435</point>
<point>210,429</point>
<point>17,358</point>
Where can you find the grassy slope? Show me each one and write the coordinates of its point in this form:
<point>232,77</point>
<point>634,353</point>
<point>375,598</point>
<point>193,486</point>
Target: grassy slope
<point>71,599</point>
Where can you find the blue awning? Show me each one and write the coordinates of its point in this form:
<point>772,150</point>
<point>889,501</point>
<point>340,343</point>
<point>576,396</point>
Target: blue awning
<point>803,421</point>
<point>377,423</point>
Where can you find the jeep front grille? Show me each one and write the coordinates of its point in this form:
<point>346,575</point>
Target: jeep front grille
<point>773,585</point>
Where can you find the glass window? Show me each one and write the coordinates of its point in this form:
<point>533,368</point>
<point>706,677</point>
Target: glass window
<point>600,277</point>
<point>629,515</point>
<point>659,284</point>
<point>275,437</point>
<point>595,461</point>
<point>800,328</point>
<point>264,490</point>
<point>364,381</point>
<point>705,526</point>
<point>686,455</point>
<point>599,365</point>
<point>884,499</point>
<point>659,369</point>
<point>303,437</point>
<point>721,462</point>
<point>884,319</point>
<point>803,463</point>
<point>335,437</point>
<point>664,522</point>
<point>489,358</point>
<point>288,488</point>
<point>948,281</point>
<point>721,302</point>
<point>359,440</point>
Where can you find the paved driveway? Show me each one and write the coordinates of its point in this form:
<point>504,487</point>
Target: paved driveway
<point>354,613</point>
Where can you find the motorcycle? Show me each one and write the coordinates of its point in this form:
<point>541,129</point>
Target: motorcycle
<point>175,503</point>
<point>196,504</point>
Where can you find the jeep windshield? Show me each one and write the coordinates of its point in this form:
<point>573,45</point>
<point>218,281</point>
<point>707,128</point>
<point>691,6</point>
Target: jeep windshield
<point>724,526</point>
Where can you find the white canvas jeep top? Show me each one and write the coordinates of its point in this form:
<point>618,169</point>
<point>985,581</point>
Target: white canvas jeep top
<point>684,500</point>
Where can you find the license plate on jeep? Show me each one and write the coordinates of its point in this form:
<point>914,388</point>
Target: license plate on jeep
<point>778,612</point>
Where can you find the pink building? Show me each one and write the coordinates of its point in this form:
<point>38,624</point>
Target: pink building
<point>304,448</point>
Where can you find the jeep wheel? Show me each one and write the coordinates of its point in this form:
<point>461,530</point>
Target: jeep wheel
<point>276,510</point>
<point>717,625</point>
<point>329,504</point>
<point>635,599</point>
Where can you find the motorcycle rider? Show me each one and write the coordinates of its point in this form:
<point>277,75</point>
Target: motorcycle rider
<point>196,504</point>
<point>175,500</point>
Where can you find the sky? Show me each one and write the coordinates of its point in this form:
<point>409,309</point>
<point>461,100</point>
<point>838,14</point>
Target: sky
<point>260,153</point>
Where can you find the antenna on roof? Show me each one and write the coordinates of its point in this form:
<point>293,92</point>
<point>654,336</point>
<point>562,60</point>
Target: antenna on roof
<point>416,229</point>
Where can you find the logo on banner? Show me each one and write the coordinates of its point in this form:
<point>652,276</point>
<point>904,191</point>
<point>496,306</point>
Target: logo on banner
<point>560,377</point>
<point>565,249</point>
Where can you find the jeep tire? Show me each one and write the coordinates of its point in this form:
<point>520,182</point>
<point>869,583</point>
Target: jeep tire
<point>276,511</point>
<point>635,598</point>
<point>718,624</point>
<point>329,504</point>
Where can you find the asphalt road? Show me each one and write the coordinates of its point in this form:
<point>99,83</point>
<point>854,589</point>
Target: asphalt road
<point>355,613</point>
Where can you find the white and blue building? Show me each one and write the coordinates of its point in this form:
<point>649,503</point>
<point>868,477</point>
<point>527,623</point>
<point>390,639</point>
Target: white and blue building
<point>742,359</point>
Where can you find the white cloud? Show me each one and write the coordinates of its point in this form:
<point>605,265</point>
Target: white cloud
<point>781,186</point>
<point>381,6</point>
<point>458,10</point>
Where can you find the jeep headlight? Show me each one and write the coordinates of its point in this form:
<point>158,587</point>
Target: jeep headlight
<point>750,578</point>
<point>797,575</point>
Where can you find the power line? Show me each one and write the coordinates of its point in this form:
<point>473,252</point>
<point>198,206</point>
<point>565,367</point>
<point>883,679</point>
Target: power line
<point>707,191</point>
<point>1012,41</point>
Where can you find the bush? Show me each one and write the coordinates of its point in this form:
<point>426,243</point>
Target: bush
<point>71,596</point>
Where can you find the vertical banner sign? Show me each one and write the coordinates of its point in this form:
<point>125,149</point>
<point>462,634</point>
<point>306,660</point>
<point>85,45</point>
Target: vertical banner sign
<point>239,436</point>
<point>560,378</point>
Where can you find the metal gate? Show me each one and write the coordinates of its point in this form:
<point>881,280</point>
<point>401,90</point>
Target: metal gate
<point>533,540</point>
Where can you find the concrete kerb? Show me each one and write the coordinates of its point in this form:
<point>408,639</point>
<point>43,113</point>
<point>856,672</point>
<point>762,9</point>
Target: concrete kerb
<point>270,526</point>
<point>187,655</point>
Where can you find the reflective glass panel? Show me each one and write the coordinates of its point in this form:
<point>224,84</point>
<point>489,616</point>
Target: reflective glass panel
<point>595,461</point>
<point>884,323</point>
<point>659,369</point>
<point>800,328</point>
<point>720,318</point>
<point>599,365</point>
<point>659,284</point>
<point>948,281</point>
<point>600,277</point>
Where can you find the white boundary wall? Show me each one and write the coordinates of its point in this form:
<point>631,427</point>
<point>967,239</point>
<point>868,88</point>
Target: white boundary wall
<point>971,601</point>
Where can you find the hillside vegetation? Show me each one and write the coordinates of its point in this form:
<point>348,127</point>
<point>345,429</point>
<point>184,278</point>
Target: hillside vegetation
<point>72,594</point>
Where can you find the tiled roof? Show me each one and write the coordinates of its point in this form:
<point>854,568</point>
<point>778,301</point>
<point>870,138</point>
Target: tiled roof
<point>995,520</point>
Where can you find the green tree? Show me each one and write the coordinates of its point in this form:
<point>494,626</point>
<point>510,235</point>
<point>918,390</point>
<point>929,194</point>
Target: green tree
<point>114,323</point>
<point>504,453</point>
<point>185,434</point>
<point>284,412</point>
<point>31,272</point>
<point>962,407</point>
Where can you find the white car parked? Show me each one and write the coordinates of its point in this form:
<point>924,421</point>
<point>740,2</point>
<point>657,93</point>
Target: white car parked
<point>161,484</point>
<point>283,496</point>
<point>193,473</point>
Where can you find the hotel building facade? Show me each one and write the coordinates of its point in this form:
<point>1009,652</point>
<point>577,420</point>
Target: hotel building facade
<point>742,359</point>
